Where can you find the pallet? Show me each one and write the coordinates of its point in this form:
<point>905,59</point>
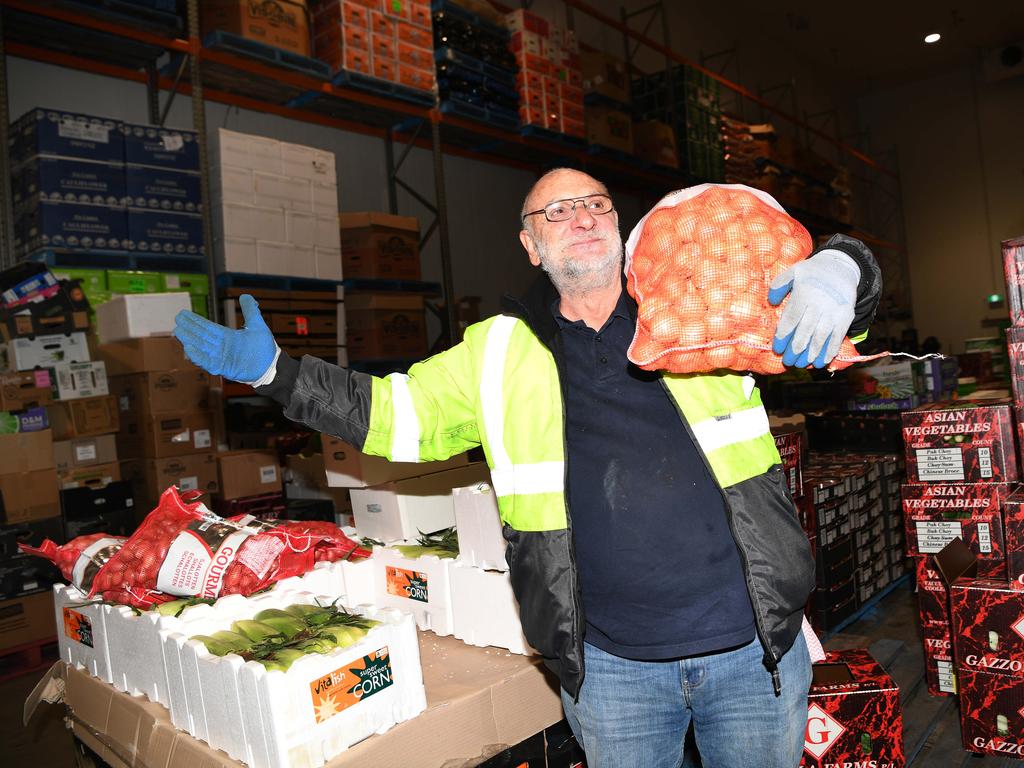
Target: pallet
<point>97,259</point>
<point>868,606</point>
<point>152,16</point>
<point>494,84</point>
<point>219,40</point>
<point>359,82</point>
<point>458,12</point>
<point>465,61</point>
<point>275,282</point>
<point>30,657</point>
<point>492,116</point>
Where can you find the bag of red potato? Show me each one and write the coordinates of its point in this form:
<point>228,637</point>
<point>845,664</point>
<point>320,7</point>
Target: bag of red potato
<point>182,549</point>
<point>699,265</point>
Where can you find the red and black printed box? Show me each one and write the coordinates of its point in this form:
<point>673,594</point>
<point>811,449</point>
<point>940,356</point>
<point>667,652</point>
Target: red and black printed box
<point>937,513</point>
<point>932,596</point>
<point>1013,531</point>
<point>788,444</point>
<point>1015,348</point>
<point>1013,268</point>
<point>992,712</point>
<point>853,714</point>
<point>939,673</point>
<point>987,623</point>
<point>960,443</point>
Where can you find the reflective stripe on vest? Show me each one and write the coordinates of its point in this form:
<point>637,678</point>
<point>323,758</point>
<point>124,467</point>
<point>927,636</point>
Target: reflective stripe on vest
<point>509,478</point>
<point>736,427</point>
<point>405,438</point>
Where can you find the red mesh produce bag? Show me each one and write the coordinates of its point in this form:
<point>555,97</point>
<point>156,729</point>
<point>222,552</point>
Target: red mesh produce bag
<point>182,549</point>
<point>699,265</point>
<point>81,558</point>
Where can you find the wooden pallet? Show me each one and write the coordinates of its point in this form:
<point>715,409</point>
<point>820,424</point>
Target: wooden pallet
<point>28,658</point>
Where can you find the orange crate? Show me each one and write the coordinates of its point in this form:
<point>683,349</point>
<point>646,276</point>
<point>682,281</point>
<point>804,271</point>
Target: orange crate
<point>418,36</point>
<point>381,24</point>
<point>382,46</point>
<point>421,58</point>
<point>385,68</point>
<point>357,61</point>
<point>358,38</point>
<point>419,14</point>
<point>416,77</point>
<point>355,15</point>
<point>531,115</point>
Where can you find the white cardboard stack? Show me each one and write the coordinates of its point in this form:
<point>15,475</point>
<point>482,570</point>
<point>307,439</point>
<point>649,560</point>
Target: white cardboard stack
<point>275,207</point>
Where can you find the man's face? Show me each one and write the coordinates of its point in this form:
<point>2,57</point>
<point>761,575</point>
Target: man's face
<point>580,253</point>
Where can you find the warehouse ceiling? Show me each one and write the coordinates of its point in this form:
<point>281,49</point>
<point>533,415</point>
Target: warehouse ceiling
<point>871,42</point>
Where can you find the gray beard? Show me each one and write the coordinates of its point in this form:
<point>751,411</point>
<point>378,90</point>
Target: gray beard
<point>574,277</point>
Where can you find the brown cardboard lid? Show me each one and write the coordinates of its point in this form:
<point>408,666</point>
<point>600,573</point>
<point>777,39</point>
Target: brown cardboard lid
<point>377,219</point>
<point>955,561</point>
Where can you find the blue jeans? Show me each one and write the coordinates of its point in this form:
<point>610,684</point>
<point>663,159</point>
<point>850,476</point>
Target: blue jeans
<point>635,714</point>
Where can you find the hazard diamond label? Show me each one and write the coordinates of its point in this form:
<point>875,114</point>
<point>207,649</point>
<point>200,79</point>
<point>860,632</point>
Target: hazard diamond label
<point>1018,627</point>
<point>822,731</point>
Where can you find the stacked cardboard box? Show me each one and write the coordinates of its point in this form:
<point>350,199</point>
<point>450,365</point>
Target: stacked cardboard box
<point>390,41</point>
<point>284,25</point>
<point>275,207</point>
<point>249,480</point>
<point>961,464</point>
<point>825,512</point>
<point>166,435</point>
<point>550,80</point>
<point>303,322</point>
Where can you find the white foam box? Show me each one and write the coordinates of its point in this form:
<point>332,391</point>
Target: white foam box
<point>359,579</point>
<point>274,190</point>
<point>82,631</point>
<point>476,519</point>
<point>320,707</point>
<point>23,354</point>
<point>308,163</point>
<point>76,380</point>
<point>418,586</point>
<point>284,259</point>
<point>484,609</point>
<point>403,509</point>
<point>328,267</point>
<point>230,184</point>
<point>325,579</point>
<point>138,315</point>
<point>325,200</point>
<point>242,220</point>
<point>243,150</point>
<point>236,254</point>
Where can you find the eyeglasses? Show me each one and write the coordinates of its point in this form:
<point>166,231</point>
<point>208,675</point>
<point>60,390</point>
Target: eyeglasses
<point>562,210</point>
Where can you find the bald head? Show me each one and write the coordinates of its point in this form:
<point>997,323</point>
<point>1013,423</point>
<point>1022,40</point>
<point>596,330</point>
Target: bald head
<point>551,186</point>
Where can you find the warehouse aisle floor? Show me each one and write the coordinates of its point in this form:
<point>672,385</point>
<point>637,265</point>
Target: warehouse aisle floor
<point>889,630</point>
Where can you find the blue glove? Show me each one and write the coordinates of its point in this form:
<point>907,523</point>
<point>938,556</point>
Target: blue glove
<point>819,311</point>
<point>247,355</point>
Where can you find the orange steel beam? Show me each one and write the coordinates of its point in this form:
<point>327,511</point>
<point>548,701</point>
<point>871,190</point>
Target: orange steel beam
<point>616,24</point>
<point>78,19</point>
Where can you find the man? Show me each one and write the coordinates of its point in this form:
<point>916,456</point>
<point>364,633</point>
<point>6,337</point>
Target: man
<point>653,546</point>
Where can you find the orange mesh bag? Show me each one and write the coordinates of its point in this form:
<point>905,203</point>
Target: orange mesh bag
<point>699,265</point>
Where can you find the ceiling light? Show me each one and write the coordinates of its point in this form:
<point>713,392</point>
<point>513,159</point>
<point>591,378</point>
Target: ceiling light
<point>934,37</point>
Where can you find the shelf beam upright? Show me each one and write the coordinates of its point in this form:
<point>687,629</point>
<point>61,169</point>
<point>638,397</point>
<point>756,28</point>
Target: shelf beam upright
<point>199,125</point>
<point>6,203</point>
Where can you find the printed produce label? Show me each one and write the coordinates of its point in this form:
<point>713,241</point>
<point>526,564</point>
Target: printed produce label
<point>78,627</point>
<point>346,686</point>
<point>933,535</point>
<point>403,583</point>
<point>940,464</point>
<point>947,679</point>
<point>199,556</point>
<point>74,129</point>
<point>92,558</point>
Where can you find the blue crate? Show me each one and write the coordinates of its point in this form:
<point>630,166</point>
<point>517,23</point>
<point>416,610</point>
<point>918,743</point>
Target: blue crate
<point>151,15</point>
<point>454,56</point>
<point>64,179</point>
<point>107,259</point>
<point>165,233</point>
<point>492,116</point>
<point>361,82</point>
<point>220,40</point>
<point>56,132</point>
<point>163,189</point>
<point>458,12</point>
<point>274,282</point>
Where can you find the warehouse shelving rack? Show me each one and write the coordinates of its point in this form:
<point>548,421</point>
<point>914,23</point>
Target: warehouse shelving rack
<point>62,33</point>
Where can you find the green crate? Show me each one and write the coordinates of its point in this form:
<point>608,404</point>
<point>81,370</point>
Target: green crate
<point>195,283</point>
<point>120,281</point>
<point>90,279</point>
<point>199,306</point>
<point>99,297</point>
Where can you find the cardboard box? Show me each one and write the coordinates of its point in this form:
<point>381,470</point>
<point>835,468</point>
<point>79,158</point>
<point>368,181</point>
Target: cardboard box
<point>151,477</point>
<point>161,147</point>
<point>155,353</point>
<point>401,510</point>
<point>21,390</point>
<point>162,189</point>
<point>248,473</point>
<point>52,224</point>
<point>1013,529</point>
<point>605,75</point>
<point>611,128</point>
<point>139,315</point>
<point>27,451</point>
<point>93,476</point>
<point>44,351</point>
<point>380,245</point>
<point>287,27</point>
<point>69,455</point>
<point>85,417</point>
<point>991,713</point>
<point>165,232</point>
<point>385,326</point>
<point>70,180</point>
<point>66,134</point>
<point>655,142</point>
<point>26,620</point>
<point>961,442</point>
<point>348,467</point>
<point>853,710</point>
<point>185,390</point>
<point>28,495</point>
<point>1013,269</point>
<point>481,543</point>
<point>30,420</point>
<point>987,625</point>
<point>788,444</point>
<point>936,513</point>
<point>886,386</point>
<point>78,380</point>
<point>165,435</point>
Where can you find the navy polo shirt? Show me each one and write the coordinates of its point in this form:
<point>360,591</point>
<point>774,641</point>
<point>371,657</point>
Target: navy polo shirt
<point>660,574</point>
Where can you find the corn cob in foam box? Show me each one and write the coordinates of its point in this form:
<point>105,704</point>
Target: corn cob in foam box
<point>301,707</point>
